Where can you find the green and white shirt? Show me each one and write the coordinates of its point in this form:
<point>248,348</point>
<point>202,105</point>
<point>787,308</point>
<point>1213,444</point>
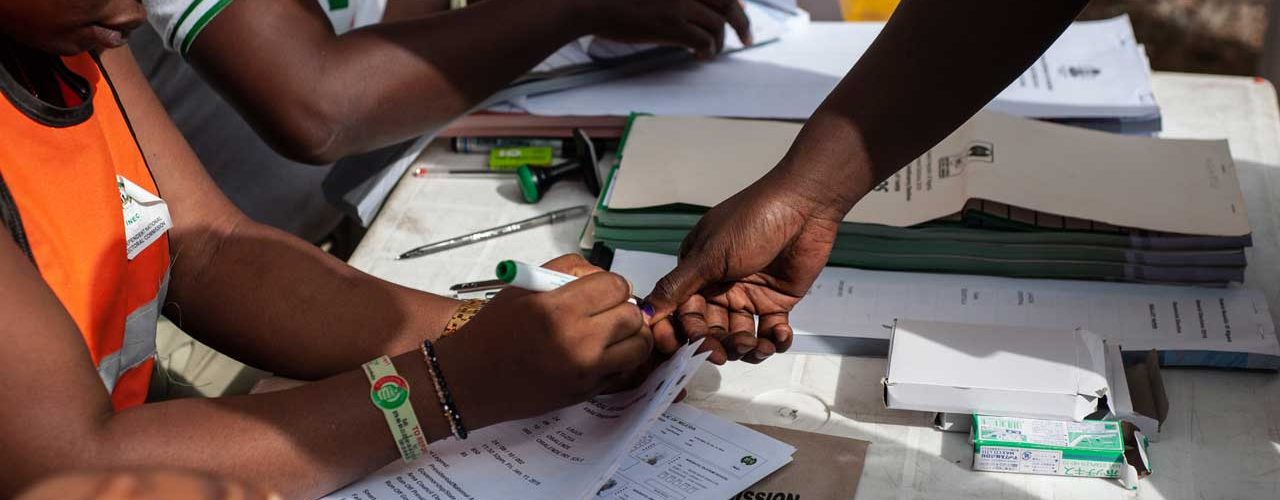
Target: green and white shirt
<point>179,22</point>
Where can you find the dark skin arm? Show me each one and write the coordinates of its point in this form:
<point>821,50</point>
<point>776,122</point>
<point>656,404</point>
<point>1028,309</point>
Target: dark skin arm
<point>154,484</point>
<point>401,10</point>
<point>229,434</point>
<point>933,66</point>
<point>217,250</point>
<point>240,286</point>
<point>316,96</point>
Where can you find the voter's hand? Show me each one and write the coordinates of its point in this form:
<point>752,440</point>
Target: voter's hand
<point>730,335</point>
<point>695,24</point>
<point>753,256</point>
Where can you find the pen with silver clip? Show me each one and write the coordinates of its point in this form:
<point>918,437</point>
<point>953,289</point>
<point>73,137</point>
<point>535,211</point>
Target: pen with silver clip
<point>532,222</point>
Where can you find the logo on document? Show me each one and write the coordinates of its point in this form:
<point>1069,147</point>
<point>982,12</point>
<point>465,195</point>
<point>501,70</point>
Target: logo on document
<point>125,198</point>
<point>748,460</point>
<point>976,151</point>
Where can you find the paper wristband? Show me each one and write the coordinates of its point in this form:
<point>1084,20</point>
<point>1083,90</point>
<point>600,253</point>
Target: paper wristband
<point>390,393</point>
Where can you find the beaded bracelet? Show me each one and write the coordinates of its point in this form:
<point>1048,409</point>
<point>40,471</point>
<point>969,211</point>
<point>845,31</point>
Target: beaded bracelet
<point>442,391</point>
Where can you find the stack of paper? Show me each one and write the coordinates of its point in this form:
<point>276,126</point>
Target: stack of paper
<point>632,444</point>
<point>852,311</point>
<point>1000,196</point>
<point>1095,75</point>
<point>770,20</point>
<point>589,60</point>
<point>493,124</point>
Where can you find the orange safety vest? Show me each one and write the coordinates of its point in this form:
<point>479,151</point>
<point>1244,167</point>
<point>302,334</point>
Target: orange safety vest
<point>62,205</point>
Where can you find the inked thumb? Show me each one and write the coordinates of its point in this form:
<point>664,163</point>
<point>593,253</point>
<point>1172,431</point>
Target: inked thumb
<point>676,287</point>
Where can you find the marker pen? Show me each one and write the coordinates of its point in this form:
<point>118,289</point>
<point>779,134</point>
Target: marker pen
<point>536,278</point>
<point>530,277</point>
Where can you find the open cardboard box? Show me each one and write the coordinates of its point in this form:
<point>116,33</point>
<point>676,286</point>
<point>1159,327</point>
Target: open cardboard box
<point>1137,392</point>
<point>1053,374</point>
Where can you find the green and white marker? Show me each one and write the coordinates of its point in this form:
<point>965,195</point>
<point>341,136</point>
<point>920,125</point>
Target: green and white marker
<point>537,279</point>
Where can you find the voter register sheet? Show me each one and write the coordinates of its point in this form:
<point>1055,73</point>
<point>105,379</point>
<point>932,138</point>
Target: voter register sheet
<point>629,445</point>
<point>847,302</point>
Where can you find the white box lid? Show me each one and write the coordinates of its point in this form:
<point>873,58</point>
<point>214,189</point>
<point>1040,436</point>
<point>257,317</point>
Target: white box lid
<point>996,369</point>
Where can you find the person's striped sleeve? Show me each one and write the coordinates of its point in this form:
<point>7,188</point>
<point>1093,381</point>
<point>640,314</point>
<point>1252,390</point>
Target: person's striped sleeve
<point>179,22</point>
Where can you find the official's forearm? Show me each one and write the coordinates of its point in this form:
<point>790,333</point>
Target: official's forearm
<point>401,10</point>
<point>318,97</point>
<point>448,63</point>
<point>280,304</point>
<point>302,442</point>
<point>933,66</point>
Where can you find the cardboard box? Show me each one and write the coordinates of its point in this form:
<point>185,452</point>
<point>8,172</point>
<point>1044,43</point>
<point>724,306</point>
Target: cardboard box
<point>1092,448</point>
<point>1137,396</point>
<point>1137,392</point>
<point>1053,374</point>
<point>953,422</point>
<point>964,368</point>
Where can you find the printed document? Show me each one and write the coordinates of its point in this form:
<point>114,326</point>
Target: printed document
<point>1176,186</point>
<point>1095,69</point>
<point>769,23</point>
<point>692,454</point>
<point>855,303</point>
<point>613,446</point>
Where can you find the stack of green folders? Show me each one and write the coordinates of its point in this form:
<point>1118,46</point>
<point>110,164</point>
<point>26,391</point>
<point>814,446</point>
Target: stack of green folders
<point>977,236</point>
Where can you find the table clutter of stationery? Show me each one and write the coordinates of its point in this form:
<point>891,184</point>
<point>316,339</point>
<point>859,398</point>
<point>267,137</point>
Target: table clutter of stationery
<point>1026,278</point>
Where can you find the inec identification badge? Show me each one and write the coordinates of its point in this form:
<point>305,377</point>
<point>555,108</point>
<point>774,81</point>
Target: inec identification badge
<point>146,216</point>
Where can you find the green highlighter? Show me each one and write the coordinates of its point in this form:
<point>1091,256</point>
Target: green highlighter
<point>513,158</point>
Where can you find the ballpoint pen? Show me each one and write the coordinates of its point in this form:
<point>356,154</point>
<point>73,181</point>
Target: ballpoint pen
<point>541,220</point>
<point>477,286</point>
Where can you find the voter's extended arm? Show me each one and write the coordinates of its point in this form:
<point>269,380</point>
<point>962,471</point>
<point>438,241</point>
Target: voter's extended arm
<point>933,66</point>
<point>316,96</point>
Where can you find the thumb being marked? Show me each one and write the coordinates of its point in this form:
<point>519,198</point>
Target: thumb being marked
<point>777,328</point>
<point>674,288</point>
<point>741,24</point>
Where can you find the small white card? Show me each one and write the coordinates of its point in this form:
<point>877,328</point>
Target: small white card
<point>146,216</point>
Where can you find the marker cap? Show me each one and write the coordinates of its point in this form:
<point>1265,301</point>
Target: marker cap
<point>528,184</point>
<point>507,270</point>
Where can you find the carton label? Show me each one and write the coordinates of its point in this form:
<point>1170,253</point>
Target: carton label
<point>1088,435</point>
<point>1008,459</point>
<point>1089,468</point>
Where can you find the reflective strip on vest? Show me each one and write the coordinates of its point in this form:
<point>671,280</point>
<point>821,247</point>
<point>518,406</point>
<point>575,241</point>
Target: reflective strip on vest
<point>139,340</point>
<point>73,221</point>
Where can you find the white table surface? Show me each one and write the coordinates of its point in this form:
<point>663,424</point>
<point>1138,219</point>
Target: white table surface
<point>1222,437</point>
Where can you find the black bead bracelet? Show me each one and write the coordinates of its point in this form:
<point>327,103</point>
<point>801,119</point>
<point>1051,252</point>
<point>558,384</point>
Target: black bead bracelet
<point>442,391</point>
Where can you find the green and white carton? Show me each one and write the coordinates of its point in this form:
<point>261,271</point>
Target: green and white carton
<point>1091,448</point>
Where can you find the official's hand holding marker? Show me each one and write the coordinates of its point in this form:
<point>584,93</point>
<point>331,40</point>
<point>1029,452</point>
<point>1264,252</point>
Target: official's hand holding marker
<point>540,279</point>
